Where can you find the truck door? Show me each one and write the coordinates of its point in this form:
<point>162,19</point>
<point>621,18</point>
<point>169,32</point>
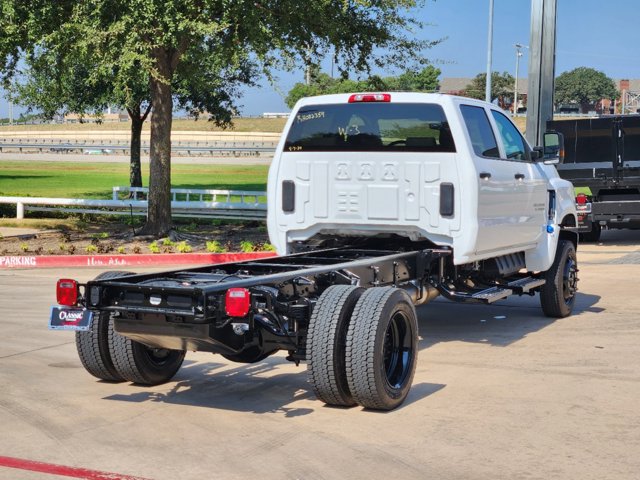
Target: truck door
<point>506,217</point>
<point>531,185</point>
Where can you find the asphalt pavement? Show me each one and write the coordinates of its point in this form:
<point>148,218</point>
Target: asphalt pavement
<point>500,392</point>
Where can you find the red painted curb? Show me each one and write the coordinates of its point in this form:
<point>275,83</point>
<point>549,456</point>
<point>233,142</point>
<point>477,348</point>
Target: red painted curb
<point>44,261</point>
<point>53,469</point>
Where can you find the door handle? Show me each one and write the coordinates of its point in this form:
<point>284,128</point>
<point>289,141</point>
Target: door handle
<point>519,176</point>
<point>485,175</point>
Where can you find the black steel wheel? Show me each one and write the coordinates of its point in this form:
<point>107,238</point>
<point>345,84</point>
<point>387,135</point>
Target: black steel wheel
<point>558,294</point>
<point>141,364</point>
<point>93,345</point>
<point>326,340</point>
<point>382,348</point>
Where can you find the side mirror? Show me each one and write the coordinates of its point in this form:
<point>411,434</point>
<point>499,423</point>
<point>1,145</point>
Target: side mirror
<point>553,148</point>
<point>537,153</point>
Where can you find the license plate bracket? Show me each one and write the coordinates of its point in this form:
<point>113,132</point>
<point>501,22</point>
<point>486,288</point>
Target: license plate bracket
<point>70,318</point>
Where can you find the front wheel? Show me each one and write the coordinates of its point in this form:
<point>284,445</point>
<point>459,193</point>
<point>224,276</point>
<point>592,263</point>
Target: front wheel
<point>382,348</point>
<point>558,294</point>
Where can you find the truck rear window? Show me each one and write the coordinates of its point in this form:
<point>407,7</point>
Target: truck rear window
<point>370,127</point>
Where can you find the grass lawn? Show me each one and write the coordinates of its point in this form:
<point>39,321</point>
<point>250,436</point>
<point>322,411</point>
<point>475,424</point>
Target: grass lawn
<point>94,180</point>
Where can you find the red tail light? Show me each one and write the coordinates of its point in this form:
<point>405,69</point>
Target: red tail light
<point>581,199</point>
<point>369,97</point>
<point>67,292</point>
<point>237,302</point>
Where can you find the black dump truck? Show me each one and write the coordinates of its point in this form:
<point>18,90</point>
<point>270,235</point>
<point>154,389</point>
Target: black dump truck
<point>603,154</point>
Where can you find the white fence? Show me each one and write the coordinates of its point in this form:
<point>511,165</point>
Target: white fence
<point>233,204</point>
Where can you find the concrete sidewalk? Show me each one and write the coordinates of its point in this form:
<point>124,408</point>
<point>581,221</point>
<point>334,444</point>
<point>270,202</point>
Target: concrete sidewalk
<point>17,232</point>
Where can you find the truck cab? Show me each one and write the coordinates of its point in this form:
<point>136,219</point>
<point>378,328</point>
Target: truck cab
<point>451,170</point>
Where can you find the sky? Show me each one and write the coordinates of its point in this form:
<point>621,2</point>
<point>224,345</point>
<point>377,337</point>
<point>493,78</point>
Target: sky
<point>591,33</point>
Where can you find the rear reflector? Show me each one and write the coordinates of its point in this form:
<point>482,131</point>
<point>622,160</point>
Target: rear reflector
<point>237,302</point>
<point>447,199</point>
<point>370,97</point>
<point>581,199</point>
<point>288,196</point>
<point>67,292</point>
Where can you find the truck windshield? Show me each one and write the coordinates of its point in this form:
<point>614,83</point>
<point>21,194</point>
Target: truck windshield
<point>370,127</point>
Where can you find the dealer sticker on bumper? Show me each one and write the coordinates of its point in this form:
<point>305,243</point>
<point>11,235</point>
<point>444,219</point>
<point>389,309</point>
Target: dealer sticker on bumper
<point>69,318</point>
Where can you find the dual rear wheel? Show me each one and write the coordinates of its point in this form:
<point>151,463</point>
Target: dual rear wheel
<point>109,356</point>
<point>362,346</point>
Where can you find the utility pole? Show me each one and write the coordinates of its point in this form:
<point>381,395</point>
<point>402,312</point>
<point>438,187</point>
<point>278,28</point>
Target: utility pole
<point>487,90</point>
<point>515,89</point>
<point>542,61</point>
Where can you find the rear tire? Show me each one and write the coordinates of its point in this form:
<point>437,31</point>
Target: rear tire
<point>93,344</point>
<point>140,364</point>
<point>558,294</point>
<point>93,349</point>
<point>382,348</point>
<point>326,340</point>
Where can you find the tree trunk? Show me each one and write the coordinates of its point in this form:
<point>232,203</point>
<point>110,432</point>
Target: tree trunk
<point>159,212</point>
<point>135,170</point>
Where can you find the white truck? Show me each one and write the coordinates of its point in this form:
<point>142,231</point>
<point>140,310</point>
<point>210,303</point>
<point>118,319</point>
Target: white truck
<point>378,202</point>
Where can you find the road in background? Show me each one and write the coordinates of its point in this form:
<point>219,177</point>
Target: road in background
<point>263,159</point>
<point>501,392</point>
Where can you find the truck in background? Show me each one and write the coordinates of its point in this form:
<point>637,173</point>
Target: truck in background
<point>603,154</point>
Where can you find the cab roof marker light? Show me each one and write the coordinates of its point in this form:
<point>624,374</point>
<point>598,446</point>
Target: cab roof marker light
<point>369,97</point>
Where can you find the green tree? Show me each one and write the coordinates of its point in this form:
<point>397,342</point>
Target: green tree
<point>72,80</point>
<point>171,39</point>
<point>585,86</point>
<point>425,80</point>
<point>502,85</point>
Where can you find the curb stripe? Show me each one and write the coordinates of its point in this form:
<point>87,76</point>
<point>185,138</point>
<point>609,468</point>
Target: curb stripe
<point>62,470</point>
<point>44,261</point>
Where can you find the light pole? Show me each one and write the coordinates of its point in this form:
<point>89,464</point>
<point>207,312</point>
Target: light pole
<point>515,90</point>
<point>487,90</point>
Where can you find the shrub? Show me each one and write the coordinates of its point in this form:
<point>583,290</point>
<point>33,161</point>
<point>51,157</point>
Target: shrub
<point>153,247</point>
<point>184,247</point>
<point>246,246</point>
<point>267,247</point>
<point>215,247</point>
<point>91,249</point>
